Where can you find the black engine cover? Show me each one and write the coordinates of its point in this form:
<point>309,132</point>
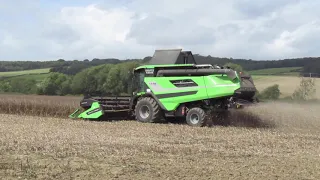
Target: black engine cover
<point>247,89</point>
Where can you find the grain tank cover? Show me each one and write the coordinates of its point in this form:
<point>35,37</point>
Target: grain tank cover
<point>172,56</point>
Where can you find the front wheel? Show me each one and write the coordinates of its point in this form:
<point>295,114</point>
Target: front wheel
<point>196,117</point>
<point>147,110</point>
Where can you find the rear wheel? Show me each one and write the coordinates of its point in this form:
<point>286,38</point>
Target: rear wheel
<point>147,110</point>
<point>196,117</point>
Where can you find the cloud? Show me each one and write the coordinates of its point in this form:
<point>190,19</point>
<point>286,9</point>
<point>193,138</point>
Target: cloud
<point>303,40</point>
<point>123,29</point>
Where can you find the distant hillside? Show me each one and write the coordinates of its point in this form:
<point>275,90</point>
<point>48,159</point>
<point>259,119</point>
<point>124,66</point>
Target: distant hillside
<point>61,65</point>
<point>34,74</point>
<point>24,72</point>
<point>307,64</point>
<point>285,71</point>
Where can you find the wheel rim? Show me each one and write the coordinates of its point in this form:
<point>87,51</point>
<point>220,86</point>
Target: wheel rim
<point>144,112</point>
<point>194,118</point>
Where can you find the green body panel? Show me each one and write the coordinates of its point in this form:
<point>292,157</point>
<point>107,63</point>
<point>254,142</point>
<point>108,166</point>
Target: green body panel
<point>165,87</point>
<point>220,86</point>
<point>95,110</point>
<point>170,96</point>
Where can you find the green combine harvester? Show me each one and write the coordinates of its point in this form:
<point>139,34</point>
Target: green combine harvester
<point>173,85</point>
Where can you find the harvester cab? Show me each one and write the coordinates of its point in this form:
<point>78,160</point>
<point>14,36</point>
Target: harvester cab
<point>172,84</point>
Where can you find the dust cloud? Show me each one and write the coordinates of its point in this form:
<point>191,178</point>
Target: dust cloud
<point>280,115</point>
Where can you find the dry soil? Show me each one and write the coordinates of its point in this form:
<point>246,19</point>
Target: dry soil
<point>283,142</point>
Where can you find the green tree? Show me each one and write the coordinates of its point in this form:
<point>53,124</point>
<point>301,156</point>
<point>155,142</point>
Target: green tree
<point>306,90</point>
<point>102,76</point>
<point>85,82</point>
<point>126,75</point>
<point>52,85</point>
<point>113,84</point>
<point>270,93</point>
<point>5,86</point>
<point>66,87</point>
<point>23,85</point>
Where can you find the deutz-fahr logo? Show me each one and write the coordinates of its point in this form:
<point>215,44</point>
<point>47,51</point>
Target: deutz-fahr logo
<point>149,71</point>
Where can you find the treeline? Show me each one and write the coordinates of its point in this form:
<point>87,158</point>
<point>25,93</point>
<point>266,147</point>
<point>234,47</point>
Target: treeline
<point>107,79</point>
<point>74,67</point>
<point>255,65</point>
<point>61,65</point>
<point>309,64</point>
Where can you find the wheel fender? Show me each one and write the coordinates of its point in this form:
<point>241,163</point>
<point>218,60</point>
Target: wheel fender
<point>150,94</point>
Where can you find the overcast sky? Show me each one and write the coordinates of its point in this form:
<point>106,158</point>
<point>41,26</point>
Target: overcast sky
<point>80,29</point>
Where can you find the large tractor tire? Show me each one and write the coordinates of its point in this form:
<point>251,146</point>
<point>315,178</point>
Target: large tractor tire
<point>196,117</point>
<point>147,110</point>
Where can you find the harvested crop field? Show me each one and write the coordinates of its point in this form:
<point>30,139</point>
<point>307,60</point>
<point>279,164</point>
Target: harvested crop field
<point>284,144</point>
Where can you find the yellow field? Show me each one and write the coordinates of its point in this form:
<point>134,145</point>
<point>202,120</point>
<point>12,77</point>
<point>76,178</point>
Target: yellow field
<point>287,84</point>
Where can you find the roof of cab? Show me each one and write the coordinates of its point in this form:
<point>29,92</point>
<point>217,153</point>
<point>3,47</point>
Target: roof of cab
<point>162,65</point>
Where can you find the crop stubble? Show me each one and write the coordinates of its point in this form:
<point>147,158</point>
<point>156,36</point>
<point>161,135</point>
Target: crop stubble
<point>283,145</point>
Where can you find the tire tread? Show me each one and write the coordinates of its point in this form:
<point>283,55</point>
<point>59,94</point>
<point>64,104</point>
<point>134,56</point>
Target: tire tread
<point>157,115</point>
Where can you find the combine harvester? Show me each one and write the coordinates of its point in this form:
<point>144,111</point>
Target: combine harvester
<point>173,85</point>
